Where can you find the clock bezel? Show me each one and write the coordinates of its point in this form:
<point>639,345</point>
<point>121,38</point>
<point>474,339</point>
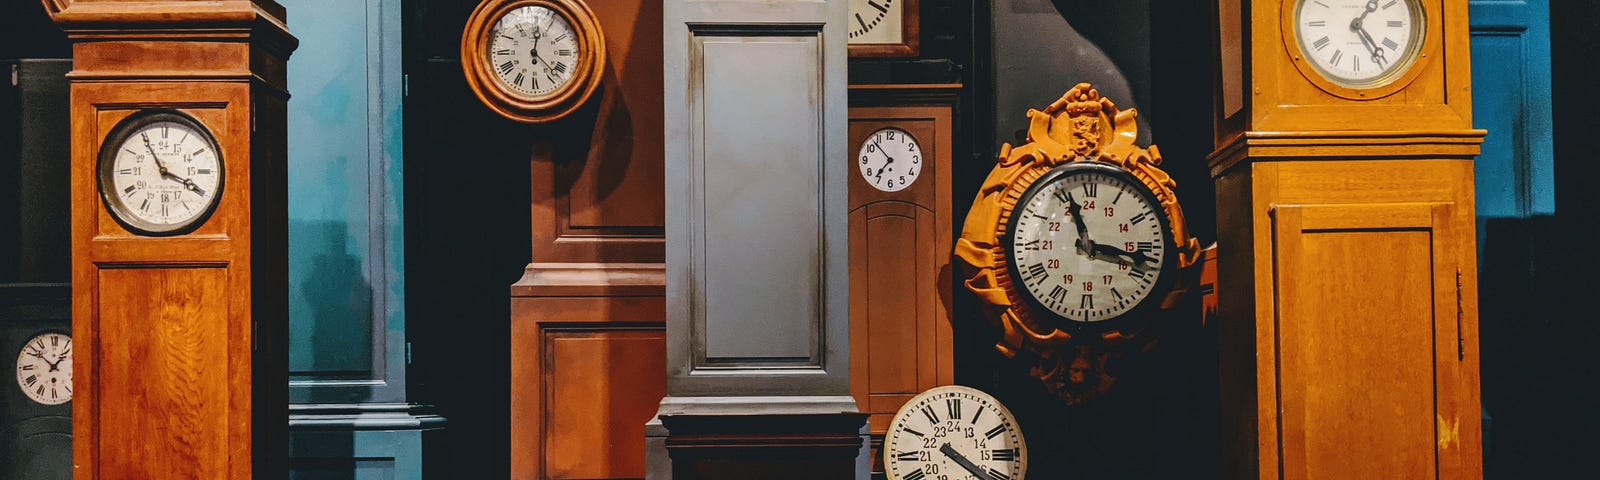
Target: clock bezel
<point>1133,316</point>
<point>914,140</point>
<point>106,162</point>
<point>905,412</point>
<point>517,106</point>
<point>1416,59</point>
<point>910,36</point>
<point>15,366</point>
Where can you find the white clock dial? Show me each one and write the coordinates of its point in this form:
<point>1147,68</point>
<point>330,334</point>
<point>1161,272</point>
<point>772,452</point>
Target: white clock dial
<point>533,50</point>
<point>1087,242</point>
<point>164,175</point>
<point>876,21</point>
<point>954,432</point>
<point>44,368</point>
<point>890,159</point>
<point>1359,42</point>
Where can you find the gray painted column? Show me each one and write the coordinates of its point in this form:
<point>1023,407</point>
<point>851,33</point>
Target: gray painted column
<point>757,307</point>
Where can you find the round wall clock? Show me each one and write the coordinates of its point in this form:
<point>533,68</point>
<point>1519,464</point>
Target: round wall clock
<point>44,368</point>
<point>890,159</point>
<point>1357,45</point>
<point>533,61</point>
<point>1089,243</point>
<point>954,432</point>
<point>1075,239</point>
<point>160,172</point>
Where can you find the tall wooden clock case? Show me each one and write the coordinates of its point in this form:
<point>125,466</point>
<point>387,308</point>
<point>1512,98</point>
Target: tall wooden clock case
<point>1347,281</point>
<point>179,317</point>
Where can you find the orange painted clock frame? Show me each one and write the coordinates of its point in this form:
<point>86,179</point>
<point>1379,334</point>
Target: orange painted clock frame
<point>1081,126</point>
<point>181,360</point>
<point>515,105</point>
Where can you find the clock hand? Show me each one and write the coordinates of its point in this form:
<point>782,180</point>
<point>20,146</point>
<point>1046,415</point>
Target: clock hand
<point>1107,253</point>
<point>187,183</point>
<point>885,155</point>
<point>1073,209</point>
<point>961,460</point>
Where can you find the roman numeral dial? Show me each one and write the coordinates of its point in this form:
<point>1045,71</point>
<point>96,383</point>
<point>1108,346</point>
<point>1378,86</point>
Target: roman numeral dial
<point>1087,242</point>
<point>160,172</point>
<point>534,50</point>
<point>954,432</point>
<point>44,368</point>
<point>1359,43</point>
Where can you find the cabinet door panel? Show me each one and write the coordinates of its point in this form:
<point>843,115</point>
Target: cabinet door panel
<point>1367,310</point>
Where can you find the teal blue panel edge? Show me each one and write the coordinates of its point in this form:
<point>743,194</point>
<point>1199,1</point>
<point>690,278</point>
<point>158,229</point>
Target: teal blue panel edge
<point>1525,95</point>
<point>365,441</point>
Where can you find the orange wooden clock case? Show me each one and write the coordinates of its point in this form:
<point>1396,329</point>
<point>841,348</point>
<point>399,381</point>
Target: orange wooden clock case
<point>180,363</point>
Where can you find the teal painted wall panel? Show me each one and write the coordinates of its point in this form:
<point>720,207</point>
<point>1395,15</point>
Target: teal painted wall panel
<point>1511,99</point>
<point>346,231</point>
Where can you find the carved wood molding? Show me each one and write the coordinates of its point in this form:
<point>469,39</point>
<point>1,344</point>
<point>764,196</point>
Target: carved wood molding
<point>1081,126</point>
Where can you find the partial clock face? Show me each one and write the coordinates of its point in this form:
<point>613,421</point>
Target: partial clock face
<point>160,172</point>
<point>890,159</point>
<point>954,432</point>
<point>44,368</point>
<point>876,21</point>
<point>1088,242</point>
<point>533,50</point>
<point>1359,43</point>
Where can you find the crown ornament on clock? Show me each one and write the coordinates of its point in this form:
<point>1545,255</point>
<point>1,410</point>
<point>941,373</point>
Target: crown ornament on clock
<point>1080,135</point>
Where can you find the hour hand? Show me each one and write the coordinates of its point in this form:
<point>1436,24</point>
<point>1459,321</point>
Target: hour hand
<point>962,460</point>
<point>1073,210</point>
<point>1108,252</point>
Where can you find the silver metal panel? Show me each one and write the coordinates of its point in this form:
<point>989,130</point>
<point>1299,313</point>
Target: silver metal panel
<point>759,163</point>
<point>757,281</point>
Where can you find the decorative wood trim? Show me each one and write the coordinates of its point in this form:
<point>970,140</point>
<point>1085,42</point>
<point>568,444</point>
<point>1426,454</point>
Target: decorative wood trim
<point>1344,145</point>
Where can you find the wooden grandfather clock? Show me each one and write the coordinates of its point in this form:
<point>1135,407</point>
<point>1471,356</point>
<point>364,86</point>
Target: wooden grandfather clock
<point>1346,277</point>
<point>179,274</point>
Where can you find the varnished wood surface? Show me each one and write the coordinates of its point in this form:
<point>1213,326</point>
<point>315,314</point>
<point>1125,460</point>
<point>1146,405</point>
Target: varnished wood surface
<point>900,242</point>
<point>181,363</point>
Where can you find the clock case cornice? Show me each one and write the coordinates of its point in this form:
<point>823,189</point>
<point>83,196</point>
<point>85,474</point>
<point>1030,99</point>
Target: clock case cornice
<point>1285,99</point>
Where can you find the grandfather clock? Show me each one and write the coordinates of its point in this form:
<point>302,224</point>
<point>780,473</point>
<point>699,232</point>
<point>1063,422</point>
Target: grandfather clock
<point>178,237</point>
<point>1346,275</point>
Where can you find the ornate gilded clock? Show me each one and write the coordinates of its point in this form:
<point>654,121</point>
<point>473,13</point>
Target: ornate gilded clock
<point>954,432</point>
<point>533,61</point>
<point>1074,240</point>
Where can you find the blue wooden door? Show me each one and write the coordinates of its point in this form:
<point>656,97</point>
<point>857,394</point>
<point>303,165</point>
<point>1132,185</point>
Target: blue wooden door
<point>1511,99</point>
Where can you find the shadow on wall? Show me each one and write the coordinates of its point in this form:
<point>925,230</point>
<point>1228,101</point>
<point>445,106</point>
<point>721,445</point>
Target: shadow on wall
<point>330,327</point>
<point>1038,55</point>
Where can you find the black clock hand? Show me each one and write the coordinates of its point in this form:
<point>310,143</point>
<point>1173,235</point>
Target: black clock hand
<point>187,183</point>
<point>1108,253</point>
<point>1358,25</point>
<point>961,460</point>
<point>1073,210</point>
<point>885,155</point>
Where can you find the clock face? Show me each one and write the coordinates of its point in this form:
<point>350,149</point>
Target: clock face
<point>533,50</point>
<point>890,159</point>
<point>876,21</point>
<point>44,368</point>
<point>160,172</point>
<point>1088,242</point>
<point>1359,43</point>
<point>954,432</point>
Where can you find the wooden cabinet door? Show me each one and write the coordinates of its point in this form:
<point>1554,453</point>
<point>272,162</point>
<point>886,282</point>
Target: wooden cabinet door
<point>1369,315</point>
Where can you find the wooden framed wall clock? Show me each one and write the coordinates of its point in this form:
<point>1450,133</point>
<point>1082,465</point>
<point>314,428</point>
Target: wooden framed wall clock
<point>1074,240</point>
<point>901,225</point>
<point>885,28</point>
<point>533,61</point>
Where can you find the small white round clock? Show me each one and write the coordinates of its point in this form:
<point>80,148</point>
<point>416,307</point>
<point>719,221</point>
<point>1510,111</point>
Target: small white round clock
<point>44,368</point>
<point>890,159</point>
<point>1360,43</point>
<point>160,172</point>
<point>954,432</point>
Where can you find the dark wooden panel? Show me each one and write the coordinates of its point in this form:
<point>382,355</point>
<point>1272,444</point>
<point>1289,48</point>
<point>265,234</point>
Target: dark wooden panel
<point>163,370</point>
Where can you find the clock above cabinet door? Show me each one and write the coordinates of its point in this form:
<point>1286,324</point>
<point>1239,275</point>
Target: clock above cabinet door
<point>533,61</point>
<point>884,28</point>
<point>1357,49</point>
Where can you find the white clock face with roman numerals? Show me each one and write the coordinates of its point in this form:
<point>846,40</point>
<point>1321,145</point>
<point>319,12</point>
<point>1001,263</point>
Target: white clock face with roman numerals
<point>44,368</point>
<point>160,172</point>
<point>1087,242</point>
<point>1359,43</point>
<point>533,50</point>
<point>954,432</point>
